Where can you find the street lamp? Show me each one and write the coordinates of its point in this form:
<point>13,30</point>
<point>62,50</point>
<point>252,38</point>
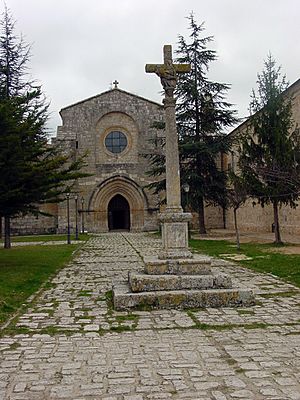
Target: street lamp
<point>186,189</point>
<point>82,214</point>
<point>68,218</point>
<point>76,217</point>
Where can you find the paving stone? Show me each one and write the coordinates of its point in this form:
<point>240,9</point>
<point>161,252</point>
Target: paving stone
<point>163,356</point>
<point>20,387</point>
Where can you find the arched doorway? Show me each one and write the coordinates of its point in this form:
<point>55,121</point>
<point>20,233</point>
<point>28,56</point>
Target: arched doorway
<point>98,218</point>
<point>118,213</point>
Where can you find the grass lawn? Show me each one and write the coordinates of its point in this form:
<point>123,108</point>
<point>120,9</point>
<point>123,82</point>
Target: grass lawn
<point>263,259</point>
<point>24,269</point>
<point>45,238</point>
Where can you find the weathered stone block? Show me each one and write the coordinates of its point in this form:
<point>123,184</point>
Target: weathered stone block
<point>124,299</point>
<point>198,265</point>
<point>175,235</point>
<point>222,281</point>
<point>144,282</point>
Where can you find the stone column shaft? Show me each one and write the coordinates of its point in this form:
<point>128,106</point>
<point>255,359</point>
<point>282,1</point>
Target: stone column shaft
<point>174,221</point>
<point>172,158</point>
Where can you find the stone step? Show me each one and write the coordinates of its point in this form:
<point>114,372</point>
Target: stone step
<point>198,265</point>
<point>148,283</point>
<point>124,299</point>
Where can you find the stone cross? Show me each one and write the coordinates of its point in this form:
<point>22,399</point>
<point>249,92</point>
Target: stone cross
<point>116,84</point>
<point>168,71</point>
<point>168,76</point>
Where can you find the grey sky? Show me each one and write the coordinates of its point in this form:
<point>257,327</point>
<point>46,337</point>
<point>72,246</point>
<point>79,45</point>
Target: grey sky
<point>79,47</point>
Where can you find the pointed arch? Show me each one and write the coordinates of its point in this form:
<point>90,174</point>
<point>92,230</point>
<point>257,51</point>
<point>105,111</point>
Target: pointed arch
<point>129,190</point>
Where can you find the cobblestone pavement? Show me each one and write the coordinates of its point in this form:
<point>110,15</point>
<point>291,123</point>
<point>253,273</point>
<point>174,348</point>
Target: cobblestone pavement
<point>70,344</point>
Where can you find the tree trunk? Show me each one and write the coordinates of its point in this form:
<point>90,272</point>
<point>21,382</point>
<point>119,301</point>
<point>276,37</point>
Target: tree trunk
<point>201,215</point>
<point>7,244</point>
<point>0,227</point>
<point>237,234</point>
<point>276,224</point>
<point>224,217</point>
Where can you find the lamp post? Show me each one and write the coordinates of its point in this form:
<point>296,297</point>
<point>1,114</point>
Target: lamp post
<point>76,217</point>
<point>82,214</point>
<point>68,218</point>
<point>186,189</point>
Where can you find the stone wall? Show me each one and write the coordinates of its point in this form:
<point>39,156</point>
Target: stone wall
<point>257,219</point>
<point>36,225</point>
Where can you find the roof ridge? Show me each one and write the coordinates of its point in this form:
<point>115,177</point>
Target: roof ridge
<point>108,91</point>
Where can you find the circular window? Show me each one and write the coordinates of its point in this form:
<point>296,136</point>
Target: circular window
<point>116,142</point>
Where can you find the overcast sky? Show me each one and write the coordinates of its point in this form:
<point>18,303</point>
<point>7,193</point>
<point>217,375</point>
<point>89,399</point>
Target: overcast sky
<point>80,46</point>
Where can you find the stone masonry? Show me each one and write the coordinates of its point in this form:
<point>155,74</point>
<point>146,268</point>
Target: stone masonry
<point>85,128</point>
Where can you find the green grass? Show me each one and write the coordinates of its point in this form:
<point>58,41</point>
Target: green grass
<point>85,293</point>
<point>45,238</point>
<point>24,269</point>
<point>284,266</point>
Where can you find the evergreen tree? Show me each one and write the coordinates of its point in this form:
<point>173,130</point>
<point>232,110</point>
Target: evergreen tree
<point>202,115</point>
<point>270,153</point>
<point>32,171</point>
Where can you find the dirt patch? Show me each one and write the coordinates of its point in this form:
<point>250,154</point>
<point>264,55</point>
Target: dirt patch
<point>236,257</point>
<point>285,250</point>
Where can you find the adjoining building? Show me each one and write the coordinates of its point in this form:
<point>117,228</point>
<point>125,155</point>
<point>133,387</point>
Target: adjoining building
<point>255,218</point>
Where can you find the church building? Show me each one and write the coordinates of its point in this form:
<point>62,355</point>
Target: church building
<point>115,131</point>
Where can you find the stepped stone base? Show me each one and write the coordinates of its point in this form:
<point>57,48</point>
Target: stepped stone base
<point>124,298</point>
<point>179,283</point>
<point>198,265</point>
<point>147,283</point>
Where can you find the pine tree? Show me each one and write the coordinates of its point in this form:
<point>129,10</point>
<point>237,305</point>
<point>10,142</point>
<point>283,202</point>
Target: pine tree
<point>32,171</point>
<point>270,152</point>
<point>202,115</point>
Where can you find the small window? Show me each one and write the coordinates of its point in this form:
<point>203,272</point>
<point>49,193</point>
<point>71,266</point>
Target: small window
<point>116,142</point>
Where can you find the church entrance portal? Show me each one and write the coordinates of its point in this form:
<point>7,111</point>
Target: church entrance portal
<point>118,213</point>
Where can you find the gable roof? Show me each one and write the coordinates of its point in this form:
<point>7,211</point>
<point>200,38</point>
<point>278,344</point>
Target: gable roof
<point>288,91</point>
<point>110,91</point>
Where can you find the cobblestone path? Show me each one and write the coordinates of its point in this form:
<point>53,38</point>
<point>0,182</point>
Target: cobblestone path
<point>70,344</point>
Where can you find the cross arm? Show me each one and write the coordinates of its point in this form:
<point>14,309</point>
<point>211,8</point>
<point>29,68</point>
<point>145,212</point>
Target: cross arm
<point>153,67</point>
<point>161,68</point>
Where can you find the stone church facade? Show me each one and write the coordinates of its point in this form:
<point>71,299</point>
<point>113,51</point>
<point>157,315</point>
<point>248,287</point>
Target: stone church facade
<point>114,130</point>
